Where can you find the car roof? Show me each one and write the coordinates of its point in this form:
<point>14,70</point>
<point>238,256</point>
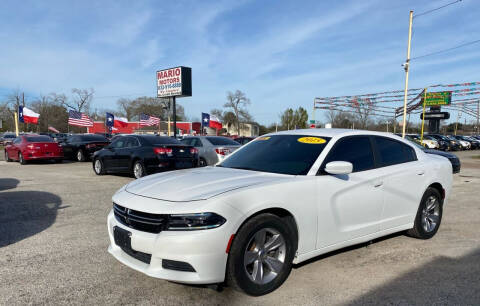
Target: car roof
<point>332,132</point>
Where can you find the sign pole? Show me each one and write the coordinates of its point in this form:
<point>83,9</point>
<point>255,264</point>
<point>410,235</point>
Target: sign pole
<point>16,123</point>
<point>423,116</point>
<point>407,65</point>
<point>174,118</point>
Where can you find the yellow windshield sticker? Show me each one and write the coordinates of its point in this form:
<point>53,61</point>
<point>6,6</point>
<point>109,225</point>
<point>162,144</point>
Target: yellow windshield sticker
<point>263,138</point>
<point>311,140</point>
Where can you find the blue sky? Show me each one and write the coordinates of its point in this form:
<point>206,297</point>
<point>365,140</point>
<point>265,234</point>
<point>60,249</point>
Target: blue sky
<point>280,53</point>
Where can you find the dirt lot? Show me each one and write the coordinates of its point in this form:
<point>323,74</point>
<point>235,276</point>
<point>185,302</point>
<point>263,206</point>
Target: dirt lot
<point>53,249</point>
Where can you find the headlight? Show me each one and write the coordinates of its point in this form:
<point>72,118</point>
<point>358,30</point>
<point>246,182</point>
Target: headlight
<point>189,222</point>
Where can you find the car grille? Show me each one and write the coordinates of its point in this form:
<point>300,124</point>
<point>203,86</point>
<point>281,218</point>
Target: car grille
<point>145,222</point>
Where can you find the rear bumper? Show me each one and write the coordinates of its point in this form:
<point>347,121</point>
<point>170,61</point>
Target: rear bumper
<point>36,156</point>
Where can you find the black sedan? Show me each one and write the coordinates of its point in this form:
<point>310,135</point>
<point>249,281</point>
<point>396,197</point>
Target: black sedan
<point>451,157</point>
<point>81,147</point>
<point>144,154</point>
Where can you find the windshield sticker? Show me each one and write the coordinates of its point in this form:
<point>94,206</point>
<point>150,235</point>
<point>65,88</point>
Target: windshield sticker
<point>264,138</point>
<point>311,140</point>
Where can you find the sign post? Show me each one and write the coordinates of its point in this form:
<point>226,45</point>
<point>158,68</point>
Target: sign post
<point>423,112</point>
<point>174,82</point>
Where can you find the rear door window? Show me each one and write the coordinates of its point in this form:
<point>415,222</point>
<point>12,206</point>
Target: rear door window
<point>393,152</point>
<point>356,150</point>
<point>222,141</point>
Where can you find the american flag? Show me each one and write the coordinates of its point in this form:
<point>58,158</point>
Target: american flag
<point>146,120</point>
<point>79,119</point>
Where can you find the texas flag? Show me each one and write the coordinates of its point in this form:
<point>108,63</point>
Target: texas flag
<point>211,121</point>
<point>26,115</point>
<point>120,122</point>
<point>215,122</point>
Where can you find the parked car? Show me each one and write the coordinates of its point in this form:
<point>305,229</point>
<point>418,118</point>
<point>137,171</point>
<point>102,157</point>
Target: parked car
<point>442,144</point>
<point>244,140</point>
<point>454,160</point>
<point>143,154</point>
<point>7,138</point>
<point>211,149</point>
<point>456,145</point>
<point>81,147</point>
<point>451,145</point>
<point>466,145</point>
<point>280,200</point>
<point>426,142</point>
<point>33,147</point>
<point>474,143</point>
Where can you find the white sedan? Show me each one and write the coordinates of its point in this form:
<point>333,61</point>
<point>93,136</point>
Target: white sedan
<point>280,200</point>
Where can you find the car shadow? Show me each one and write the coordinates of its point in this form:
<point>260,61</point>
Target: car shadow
<point>347,249</point>
<point>441,281</point>
<point>25,213</point>
<point>8,183</point>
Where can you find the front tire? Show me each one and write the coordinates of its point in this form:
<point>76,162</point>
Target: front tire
<point>98,167</point>
<point>138,169</point>
<point>429,215</point>
<point>261,255</point>
<point>202,162</point>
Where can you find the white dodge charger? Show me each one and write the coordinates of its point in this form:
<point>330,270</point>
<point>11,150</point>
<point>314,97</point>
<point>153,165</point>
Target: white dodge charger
<point>279,200</point>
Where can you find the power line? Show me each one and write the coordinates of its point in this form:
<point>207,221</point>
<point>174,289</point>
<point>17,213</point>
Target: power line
<point>436,9</point>
<point>445,50</point>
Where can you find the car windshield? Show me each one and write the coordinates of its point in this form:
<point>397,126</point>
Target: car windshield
<point>39,139</point>
<point>285,154</point>
<point>93,138</point>
<point>9,136</point>
<point>222,141</point>
<point>160,140</point>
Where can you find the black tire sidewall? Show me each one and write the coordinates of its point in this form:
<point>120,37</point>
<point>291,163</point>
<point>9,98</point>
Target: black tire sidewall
<point>80,151</point>
<point>21,160</point>
<point>202,162</point>
<point>235,264</point>
<point>418,219</point>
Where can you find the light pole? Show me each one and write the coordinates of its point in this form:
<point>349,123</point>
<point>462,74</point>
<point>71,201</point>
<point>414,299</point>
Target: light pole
<point>406,66</point>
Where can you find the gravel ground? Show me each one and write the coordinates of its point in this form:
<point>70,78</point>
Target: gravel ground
<point>53,250</point>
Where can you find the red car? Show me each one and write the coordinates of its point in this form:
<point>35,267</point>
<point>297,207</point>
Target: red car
<point>33,147</point>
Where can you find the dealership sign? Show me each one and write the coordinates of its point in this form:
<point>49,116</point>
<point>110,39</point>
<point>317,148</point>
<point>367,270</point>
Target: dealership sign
<point>438,98</point>
<point>435,115</point>
<point>174,82</point>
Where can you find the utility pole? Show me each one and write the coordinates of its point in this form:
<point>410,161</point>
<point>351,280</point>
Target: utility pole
<point>423,113</point>
<point>407,66</point>
<point>478,116</point>
<point>456,123</point>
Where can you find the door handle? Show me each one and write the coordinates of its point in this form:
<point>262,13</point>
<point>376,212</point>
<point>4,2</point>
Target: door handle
<point>377,184</point>
<point>422,172</point>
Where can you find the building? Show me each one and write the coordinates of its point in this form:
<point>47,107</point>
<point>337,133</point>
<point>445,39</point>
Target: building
<point>246,129</point>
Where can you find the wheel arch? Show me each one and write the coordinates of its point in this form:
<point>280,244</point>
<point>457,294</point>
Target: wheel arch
<point>280,212</point>
<point>437,186</point>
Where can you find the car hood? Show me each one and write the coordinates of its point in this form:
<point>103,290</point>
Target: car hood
<point>198,184</point>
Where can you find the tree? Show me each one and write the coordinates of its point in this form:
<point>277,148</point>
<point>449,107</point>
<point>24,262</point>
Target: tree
<point>236,103</point>
<point>52,113</point>
<point>291,119</point>
<point>81,99</point>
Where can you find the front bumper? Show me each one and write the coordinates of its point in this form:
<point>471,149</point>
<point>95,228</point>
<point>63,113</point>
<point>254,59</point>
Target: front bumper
<point>204,250</point>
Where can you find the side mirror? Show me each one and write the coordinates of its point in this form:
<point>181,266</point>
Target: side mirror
<point>339,167</point>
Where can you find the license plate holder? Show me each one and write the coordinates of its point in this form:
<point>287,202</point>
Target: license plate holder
<point>183,164</point>
<point>122,238</point>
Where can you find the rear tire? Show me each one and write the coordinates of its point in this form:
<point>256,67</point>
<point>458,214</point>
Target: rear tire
<point>21,159</point>
<point>429,215</point>
<point>138,169</point>
<point>202,162</point>
<point>80,155</point>
<point>261,255</point>
<point>98,166</point>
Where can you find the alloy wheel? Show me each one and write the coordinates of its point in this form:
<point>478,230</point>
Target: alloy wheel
<point>98,166</point>
<point>431,214</point>
<point>138,170</point>
<point>264,256</point>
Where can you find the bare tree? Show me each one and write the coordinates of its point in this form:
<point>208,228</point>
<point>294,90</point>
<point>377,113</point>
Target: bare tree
<point>81,99</point>
<point>126,108</point>
<point>237,102</point>
<point>363,108</point>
